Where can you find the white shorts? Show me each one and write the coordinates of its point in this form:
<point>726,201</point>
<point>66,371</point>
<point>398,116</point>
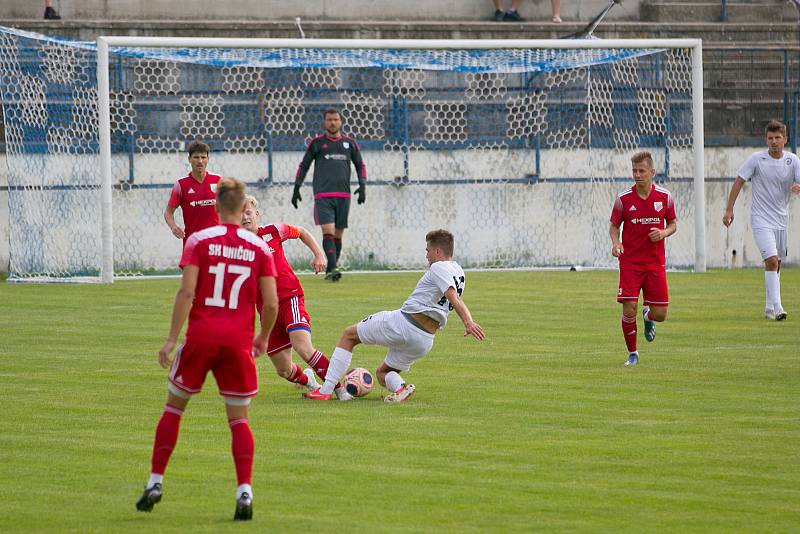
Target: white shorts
<point>771,242</point>
<point>406,343</point>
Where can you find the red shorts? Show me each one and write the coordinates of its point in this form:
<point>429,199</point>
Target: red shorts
<point>652,284</point>
<point>233,368</point>
<point>292,315</point>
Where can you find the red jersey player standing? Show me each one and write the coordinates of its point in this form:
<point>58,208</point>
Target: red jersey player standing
<point>225,269</point>
<point>646,213</point>
<point>292,328</point>
<point>195,195</point>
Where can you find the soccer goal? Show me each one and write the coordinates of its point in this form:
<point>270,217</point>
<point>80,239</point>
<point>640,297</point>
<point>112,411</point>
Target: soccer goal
<point>517,147</point>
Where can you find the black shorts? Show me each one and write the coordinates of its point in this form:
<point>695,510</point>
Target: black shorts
<point>329,210</point>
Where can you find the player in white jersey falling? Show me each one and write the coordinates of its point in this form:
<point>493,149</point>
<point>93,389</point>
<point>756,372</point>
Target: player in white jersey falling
<point>775,174</point>
<point>408,332</point>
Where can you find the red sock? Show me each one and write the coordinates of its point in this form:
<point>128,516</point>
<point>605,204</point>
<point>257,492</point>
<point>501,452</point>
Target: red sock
<point>629,332</point>
<point>242,446</point>
<point>166,437</point>
<point>320,364</point>
<point>297,375</point>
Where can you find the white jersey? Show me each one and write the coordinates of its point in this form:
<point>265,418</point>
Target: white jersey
<point>772,181</point>
<point>428,297</point>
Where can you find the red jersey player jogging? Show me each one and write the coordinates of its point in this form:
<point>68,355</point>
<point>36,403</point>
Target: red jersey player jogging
<point>225,268</point>
<point>646,213</point>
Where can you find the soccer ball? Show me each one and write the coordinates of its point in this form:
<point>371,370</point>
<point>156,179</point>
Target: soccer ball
<point>358,382</point>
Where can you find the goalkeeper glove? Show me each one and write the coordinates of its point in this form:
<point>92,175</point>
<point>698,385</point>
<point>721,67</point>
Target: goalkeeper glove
<point>361,192</point>
<point>296,196</point>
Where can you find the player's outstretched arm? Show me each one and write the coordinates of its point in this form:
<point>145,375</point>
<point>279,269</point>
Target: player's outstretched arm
<point>180,312</point>
<point>319,262</point>
<point>471,328</point>
<point>727,218</point>
<point>616,245</point>
<point>269,312</point>
<point>169,217</point>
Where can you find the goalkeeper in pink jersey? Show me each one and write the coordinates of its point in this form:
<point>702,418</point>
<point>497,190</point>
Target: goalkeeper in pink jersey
<point>292,328</point>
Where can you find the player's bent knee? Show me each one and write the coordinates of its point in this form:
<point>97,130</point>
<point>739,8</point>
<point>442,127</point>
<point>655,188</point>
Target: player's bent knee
<point>178,392</point>
<point>349,337</point>
<point>772,263</point>
<point>237,401</point>
<point>658,313</point>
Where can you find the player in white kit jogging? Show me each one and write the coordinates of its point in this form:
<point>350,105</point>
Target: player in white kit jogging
<point>408,332</point>
<point>775,175</point>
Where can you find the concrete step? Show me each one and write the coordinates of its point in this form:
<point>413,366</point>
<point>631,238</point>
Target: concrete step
<point>740,33</point>
<point>737,11</point>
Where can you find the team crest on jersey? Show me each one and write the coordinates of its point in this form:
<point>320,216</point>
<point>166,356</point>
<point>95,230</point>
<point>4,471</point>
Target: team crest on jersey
<point>267,237</point>
<point>346,145</point>
<point>191,191</point>
<point>213,188</point>
<point>788,161</point>
<point>658,205</point>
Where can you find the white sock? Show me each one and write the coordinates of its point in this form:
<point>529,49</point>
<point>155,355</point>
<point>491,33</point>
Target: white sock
<point>393,382</point>
<point>155,479</point>
<point>773,283</point>
<point>767,301</point>
<point>340,361</point>
<point>244,488</point>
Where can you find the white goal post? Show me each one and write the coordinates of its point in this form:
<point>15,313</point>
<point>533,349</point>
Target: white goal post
<point>518,147</point>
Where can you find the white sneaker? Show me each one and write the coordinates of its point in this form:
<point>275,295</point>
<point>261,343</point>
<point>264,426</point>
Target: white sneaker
<point>400,395</point>
<point>769,314</point>
<point>312,379</point>
<point>342,394</point>
<point>780,315</point>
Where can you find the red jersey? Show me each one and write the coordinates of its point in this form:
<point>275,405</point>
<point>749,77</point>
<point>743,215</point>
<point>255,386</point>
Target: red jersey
<point>274,235</point>
<point>637,216</point>
<point>231,260</point>
<point>197,201</point>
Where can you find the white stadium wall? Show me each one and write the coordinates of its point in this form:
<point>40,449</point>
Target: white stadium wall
<point>390,210</point>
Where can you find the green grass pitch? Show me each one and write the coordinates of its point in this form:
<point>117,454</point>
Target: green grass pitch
<point>539,428</point>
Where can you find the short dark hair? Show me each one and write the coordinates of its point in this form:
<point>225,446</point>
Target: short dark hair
<point>641,156</point>
<point>331,111</point>
<point>441,239</point>
<point>230,195</point>
<point>198,146</point>
<point>775,126</point>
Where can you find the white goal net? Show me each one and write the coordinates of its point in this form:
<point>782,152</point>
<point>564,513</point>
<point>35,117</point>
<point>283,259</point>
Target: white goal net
<point>518,148</point>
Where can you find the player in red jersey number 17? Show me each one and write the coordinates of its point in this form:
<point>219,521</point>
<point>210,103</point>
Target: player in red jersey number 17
<point>225,269</point>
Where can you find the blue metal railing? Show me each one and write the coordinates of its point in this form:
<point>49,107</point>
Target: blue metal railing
<point>723,15</point>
